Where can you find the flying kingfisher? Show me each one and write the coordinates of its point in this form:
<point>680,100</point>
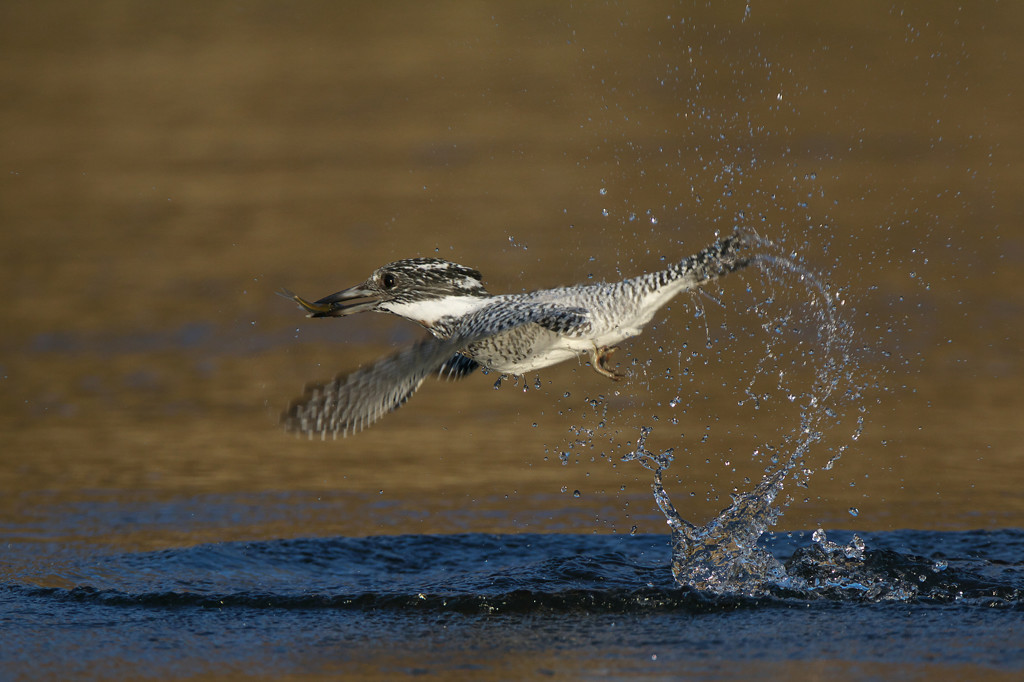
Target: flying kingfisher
<point>471,329</point>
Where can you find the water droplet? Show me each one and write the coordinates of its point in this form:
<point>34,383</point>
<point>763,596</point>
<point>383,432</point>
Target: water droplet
<point>575,493</point>
<point>854,511</point>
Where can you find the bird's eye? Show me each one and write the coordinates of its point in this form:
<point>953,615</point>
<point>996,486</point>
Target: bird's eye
<point>388,281</point>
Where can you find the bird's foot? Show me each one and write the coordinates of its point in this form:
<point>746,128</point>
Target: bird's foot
<point>599,360</point>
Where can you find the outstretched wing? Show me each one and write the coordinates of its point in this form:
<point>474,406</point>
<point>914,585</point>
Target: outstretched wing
<point>457,367</point>
<point>352,402</point>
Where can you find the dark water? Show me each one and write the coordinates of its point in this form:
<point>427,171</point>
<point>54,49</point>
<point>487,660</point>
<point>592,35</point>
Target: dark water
<point>498,606</point>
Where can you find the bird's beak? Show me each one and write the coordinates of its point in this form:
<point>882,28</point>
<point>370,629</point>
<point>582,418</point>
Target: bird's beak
<point>345,302</point>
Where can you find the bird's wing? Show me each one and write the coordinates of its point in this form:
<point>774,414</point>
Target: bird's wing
<point>552,316</point>
<point>563,320</point>
<point>457,367</point>
<point>352,402</point>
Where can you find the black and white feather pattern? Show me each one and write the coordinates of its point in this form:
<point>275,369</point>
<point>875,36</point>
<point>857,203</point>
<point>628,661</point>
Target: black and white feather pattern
<point>513,333</point>
<point>352,402</point>
<point>457,366</point>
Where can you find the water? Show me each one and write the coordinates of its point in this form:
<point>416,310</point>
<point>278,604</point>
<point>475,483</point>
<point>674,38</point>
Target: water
<point>165,169</point>
<point>799,333</point>
<point>493,606</point>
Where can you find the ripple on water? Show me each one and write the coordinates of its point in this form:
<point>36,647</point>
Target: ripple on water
<point>479,572</point>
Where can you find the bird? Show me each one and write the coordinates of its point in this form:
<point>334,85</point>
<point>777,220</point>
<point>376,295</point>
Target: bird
<point>470,329</point>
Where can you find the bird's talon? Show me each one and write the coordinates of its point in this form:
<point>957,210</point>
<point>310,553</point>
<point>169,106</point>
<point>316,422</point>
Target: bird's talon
<point>600,359</point>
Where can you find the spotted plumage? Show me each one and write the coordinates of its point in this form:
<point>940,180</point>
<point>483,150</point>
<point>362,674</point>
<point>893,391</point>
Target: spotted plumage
<point>470,329</point>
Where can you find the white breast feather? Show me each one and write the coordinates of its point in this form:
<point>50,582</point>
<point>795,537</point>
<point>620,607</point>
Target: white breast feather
<point>429,311</point>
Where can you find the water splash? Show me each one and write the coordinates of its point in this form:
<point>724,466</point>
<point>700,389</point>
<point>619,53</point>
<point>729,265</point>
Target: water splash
<point>723,555</point>
<point>852,572</point>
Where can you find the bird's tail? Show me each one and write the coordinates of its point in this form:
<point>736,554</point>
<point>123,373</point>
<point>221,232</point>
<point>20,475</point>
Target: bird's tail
<point>724,256</point>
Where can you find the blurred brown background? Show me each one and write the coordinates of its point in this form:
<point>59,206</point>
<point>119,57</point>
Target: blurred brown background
<point>167,166</point>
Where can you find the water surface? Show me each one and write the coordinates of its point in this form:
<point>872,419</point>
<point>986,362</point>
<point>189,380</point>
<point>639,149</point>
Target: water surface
<point>165,170</point>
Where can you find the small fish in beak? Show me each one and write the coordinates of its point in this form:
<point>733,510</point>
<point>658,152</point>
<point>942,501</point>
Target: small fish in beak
<point>345,302</point>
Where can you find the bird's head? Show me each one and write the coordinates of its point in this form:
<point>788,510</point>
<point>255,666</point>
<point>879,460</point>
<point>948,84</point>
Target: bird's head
<point>419,289</point>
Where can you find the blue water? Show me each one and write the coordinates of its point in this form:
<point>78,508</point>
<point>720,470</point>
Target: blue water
<point>497,606</point>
